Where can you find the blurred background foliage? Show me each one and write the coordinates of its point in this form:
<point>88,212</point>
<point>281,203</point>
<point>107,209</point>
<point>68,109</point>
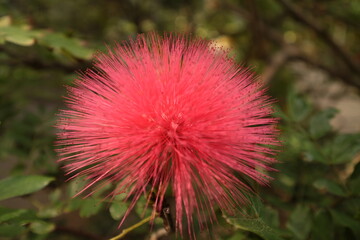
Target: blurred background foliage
<point>307,52</point>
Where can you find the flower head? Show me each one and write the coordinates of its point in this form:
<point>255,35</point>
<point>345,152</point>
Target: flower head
<point>169,111</point>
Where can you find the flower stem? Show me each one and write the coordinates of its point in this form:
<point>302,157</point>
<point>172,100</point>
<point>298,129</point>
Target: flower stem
<point>129,229</point>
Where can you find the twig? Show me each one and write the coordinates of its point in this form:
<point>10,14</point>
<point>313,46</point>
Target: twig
<point>129,229</point>
<point>297,14</point>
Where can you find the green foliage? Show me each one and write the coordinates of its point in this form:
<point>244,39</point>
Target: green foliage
<point>89,207</point>
<point>61,43</point>
<point>300,222</point>
<point>319,123</point>
<point>312,177</point>
<point>258,220</point>
<point>11,230</point>
<point>23,35</point>
<point>118,207</point>
<point>41,227</point>
<point>315,195</point>
<point>20,185</point>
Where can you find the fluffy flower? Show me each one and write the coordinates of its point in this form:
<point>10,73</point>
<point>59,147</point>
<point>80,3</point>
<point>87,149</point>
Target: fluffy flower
<point>173,112</point>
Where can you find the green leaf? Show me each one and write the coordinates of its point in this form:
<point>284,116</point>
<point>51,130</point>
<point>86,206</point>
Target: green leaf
<point>18,216</point>
<point>298,107</point>
<point>18,35</point>
<point>345,220</point>
<point>42,227</point>
<point>73,204</point>
<point>342,148</point>
<point>254,225</point>
<point>319,123</point>
<point>105,186</point>
<point>118,209</point>
<point>20,185</point>
<point>252,220</point>
<point>7,213</point>
<point>140,207</point>
<point>89,207</point>
<point>2,39</point>
<point>60,42</point>
<point>300,222</point>
<point>270,216</point>
<point>312,153</point>
<point>55,196</point>
<point>11,230</point>
<point>75,186</point>
<point>330,186</point>
<point>50,211</point>
<point>351,206</point>
<point>321,226</point>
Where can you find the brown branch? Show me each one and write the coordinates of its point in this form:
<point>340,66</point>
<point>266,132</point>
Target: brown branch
<point>347,78</point>
<point>276,62</point>
<point>298,15</point>
<point>292,53</point>
<point>289,51</point>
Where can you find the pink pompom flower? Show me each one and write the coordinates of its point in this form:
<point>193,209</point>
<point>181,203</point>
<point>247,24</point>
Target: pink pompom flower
<point>174,112</point>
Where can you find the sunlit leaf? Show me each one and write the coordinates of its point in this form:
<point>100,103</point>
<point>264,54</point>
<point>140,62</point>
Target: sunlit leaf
<point>42,227</point>
<point>5,21</point>
<point>18,35</point>
<point>50,211</point>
